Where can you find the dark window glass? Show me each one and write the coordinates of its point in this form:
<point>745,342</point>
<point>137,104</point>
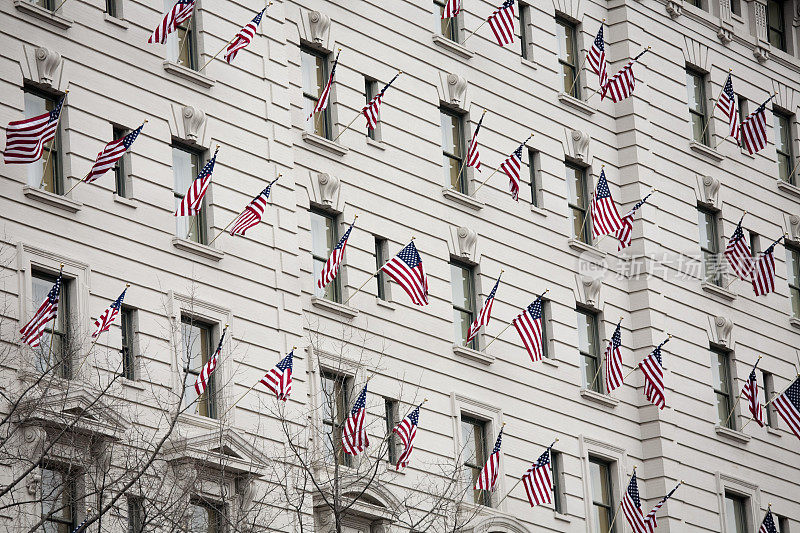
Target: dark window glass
<point>793,276</point>
<point>578,199</point>
<point>453,149</point>
<point>696,88</point>
<point>390,419</point>
<point>524,22</point>
<point>314,67</point>
<point>602,499</point>
<point>370,91</point>
<point>324,237</point>
<point>534,170</point>
<point>112,8</point>
<point>205,518</point>
<point>54,346</point>
<point>783,146</point>
<point>335,401</point>
<point>736,7</point>
<point>558,481</point>
<point>135,515</point>
<point>197,344</point>
<point>182,43</point>
<point>58,500</point>
<point>566,35</point>
<point>776,25</point>
<point>463,289</point>
<point>707,221</point>
<point>721,383</point>
<point>380,259</point>
<point>448,27</point>
<point>186,165</point>
<point>475,454</point>
<point>128,355</point>
<point>589,346</point>
<point>735,513</point>
<point>47,170</point>
<point>120,170</point>
<point>768,385</point>
<point>546,328</point>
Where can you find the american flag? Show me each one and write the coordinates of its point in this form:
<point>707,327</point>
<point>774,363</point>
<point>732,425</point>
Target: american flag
<point>485,314</point>
<point>730,106</point>
<point>738,254</point>
<point>193,201</point>
<point>107,318</point>
<point>764,271</point>
<point>614,360</point>
<point>201,383</point>
<point>373,107</point>
<point>407,431</point>
<point>754,130</point>
<point>176,16</point>
<point>279,378</point>
<point>331,266</point>
<point>473,154</point>
<point>768,525</point>
<point>512,166</point>
<point>624,233</point>
<point>750,393</point>
<point>251,216</point>
<point>25,139</point>
<point>538,480</point>
<point>529,327</point>
<point>596,57</point>
<point>487,479</point>
<point>502,23</point>
<point>632,506</point>
<point>621,84</point>
<point>34,329</point>
<point>322,103</point>
<point>108,157</point>
<point>605,217</point>
<point>451,8</point>
<point>406,269</point>
<point>354,434</point>
<point>244,37</point>
<point>650,520</point>
<point>654,377</point>
<point>788,406</point>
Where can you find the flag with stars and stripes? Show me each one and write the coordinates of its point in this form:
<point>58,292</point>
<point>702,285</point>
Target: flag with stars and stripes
<point>473,153</point>
<point>512,166</point>
<point>502,23</point>
<point>32,331</point>
<point>754,130</point>
<point>371,110</point>
<point>538,480</point>
<point>322,103</point>
<point>107,318</point>
<point>354,433</point>
<point>109,156</point>
<point>788,406</point>
<point>621,85</point>
<point>331,267</point>
<point>653,371</point>
<point>193,201</point>
<point>529,326</point>
<point>487,479</point>
<point>614,360</point>
<point>203,378</point>
<point>729,105</point>
<point>244,37</point>
<point>632,506</point>
<point>768,524</point>
<point>605,217</point>
<point>485,313</point>
<point>407,431</point>
<point>596,57</point>
<point>451,8</point>
<point>764,271</point>
<point>176,16</point>
<point>279,378</point>
<point>25,139</point>
<point>625,233</point>
<point>406,269</point>
<point>738,254</point>
<point>650,520</point>
<point>251,216</point>
<point>750,393</point>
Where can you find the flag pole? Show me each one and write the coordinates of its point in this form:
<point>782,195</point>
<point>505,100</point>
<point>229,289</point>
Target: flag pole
<point>772,400</point>
<point>740,393</point>
<point>358,115</point>
<point>50,151</point>
<point>473,32</point>
<point>789,177</point>
<point>619,505</point>
<point>189,29</point>
<point>669,336</point>
<point>94,341</point>
<point>59,6</point>
<point>245,394</point>
<point>583,63</point>
<point>509,324</point>
<point>237,216</point>
<point>226,45</point>
<point>519,481</point>
<point>466,159</point>
<point>498,168</point>
<point>367,280</point>
<point>53,337</point>
<point>600,366</point>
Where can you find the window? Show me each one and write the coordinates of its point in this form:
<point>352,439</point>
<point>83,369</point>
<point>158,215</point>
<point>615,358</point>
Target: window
<point>390,418</point>
<point>54,349</point>
<point>755,244</point>
<point>120,167</point>
<point>696,3</point>
<point>793,275</point>
<point>566,33</point>
<point>524,23</point>
<point>314,66</point>
<point>602,504</point>
<point>696,88</point>
<point>205,518</point>
<point>47,169</point>
<point>453,149</point>
<point>475,454</point>
<point>545,328</point>
<point>578,190</point>
<point>186,165</point>
<point>370,91</point>
<point>381,257</point>
<point>127,325</point>
<point>335,401</point>
<point>783,523</point>
<point>113,8</point>
<point>182,43</point>
<point>324,238</point>
<point>723,387</point>
<point>776,26</point>
<point>49,5</point>
<point>768,384</point>
<point>197,342</point>
<point>589,347</point>
<point>58,500</point>
<point>135,515</point>
<point>736,7</point>
<point>558,481</point>
<point>709,245</point>
<point>535,176</point>
<point>463,285</point>
<point>783,146</point>
<point>735,513</point>
<point>448,27</point>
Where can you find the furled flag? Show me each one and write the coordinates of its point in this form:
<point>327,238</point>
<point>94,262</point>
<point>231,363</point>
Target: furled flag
<point>193,201</point>
<point>750,393</point>
<point>25,139</point>
<point>502,23</point>
<point>730,106</point>
<point>451,8</point>
<point>754,130</point>
<point>354,433</point>
<point>788,406</point>
<point>738,254</point>
<point>201,383</point>
<point>614,360</point>
<point>653,371</point>
<point>34,329</point>
<point>529,327</point>
<point>371,110</point>
<point>624,233</point>
<point>244,37</point>
<point>621,84</point>
<point>331,266</point>
<point>485,314</point>
<point>596,57</point>
<point>473,154</point>
<point>650,520</point>
<point>605,217</point>
<point>109,156</point>
<point>512,166</point>
<point>538,480</point>
<point>279,378</point>
<point>322,103</point>
<point>407,431</point>
<point>251,216</point>
<point>176,16</point>
<point>764,271</point>
<point>107,318</point>
<point>487,479</point>
<point>768,525</point>
<point>406,269</point>
<point>632,506</point>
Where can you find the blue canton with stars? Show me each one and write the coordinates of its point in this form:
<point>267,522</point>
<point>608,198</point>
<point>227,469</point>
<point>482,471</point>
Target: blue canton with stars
<point>57,110</point>
<point>543,459</point>
<point>286,362</point>
<point>410,255</point>
<point>598,41</point>
<point>498,442</point>
<point>414,416</point>
<point>633,491</point>
<point>494,289</point>
<point>616,338</point>
<point>535,309</point>
<point>129,138</point>
<point>53,294</point>
<point>341,242</point>
<point>361,402</point>
<point>793,394</point>
<point>769,523</point>
<point>118,302</point>
<point>728,89</point>
<point>257,18</point>
<point>602,186</point>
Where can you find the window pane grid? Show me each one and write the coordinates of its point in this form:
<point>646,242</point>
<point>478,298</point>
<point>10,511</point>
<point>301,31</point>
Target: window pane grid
<point>47,170</point>
<point>578,202</point>
<point>453,149</point>
<point>314,69</point>
<point>463,291</point>
<point>709,246</point>
<point>695,86</point>
<point>448,27</point>
<point>324,237</point>
<point>589,347</point>
<point>567,55</point>
<point>783,146</point>
<point>721,383</point>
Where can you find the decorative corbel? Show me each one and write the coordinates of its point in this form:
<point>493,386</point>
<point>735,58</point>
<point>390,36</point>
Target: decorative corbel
<point>47,62</point>
<point>591,289</point>
<point>456,87</point>
<point>466,242</point>
<point>709,190</point>
<point>193,121</point>
<point>318,24</point>
<point>723,326</point>
<point>675,8</point>
<point>725,34</point>
<point>794,228</point>
<point>328,188</point>
<point>580,144</point>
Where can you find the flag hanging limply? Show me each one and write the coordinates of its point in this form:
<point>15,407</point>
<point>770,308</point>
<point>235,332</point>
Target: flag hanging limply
<point>502,23</point>
<point>485,313</point>
<point>738,253</point>
<point>787,404</point>
<point>487,479</point>
<point>193,201</point>
<point>653,370</point>
<point>750,393</point>
<point>764,271</point>
<point>331,266</point>
<point>107,318</point>
<point>768,524</point>
<point>613,360</point>
<point>625,233</point>
<point>279,378</point>
<point>529,326</point>
<point>729,105</point>
<point>203,378</point>
<point>650,520</point>
<point>538,480</point>
<point>605,217</point>
<point>354,432</point>
<point>109,155</point>
<point>621,85</point>
<point>407,431</point>
<point>322,103</point>
<point>25,139</point>
<point>754,128</point>
<point>251,216</point>
<point>451,8</point>
<point>473,154</point>
<point>596,57</point>
<point>371,110</point>
<point>406,269</point>
<point>512,166</point>
<point>176,16</point>
<point>632,506</point>
<point>244,37</point>
<point>32,331</point>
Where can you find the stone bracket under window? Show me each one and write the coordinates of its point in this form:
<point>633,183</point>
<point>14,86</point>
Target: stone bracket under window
<point>26,6</point>
<point>202,250</point>
<point>51,199</point>
<point>188,74</point>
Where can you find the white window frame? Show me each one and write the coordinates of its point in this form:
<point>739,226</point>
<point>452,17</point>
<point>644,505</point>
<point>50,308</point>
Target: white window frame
<point>618,457</point>
<point>727,483</point>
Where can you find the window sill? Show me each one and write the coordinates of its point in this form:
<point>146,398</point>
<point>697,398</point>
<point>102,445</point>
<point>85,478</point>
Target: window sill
<point>196,248</point>
<point>122,23</point>
<point>130,202</point>
<point>380,145</point>
<point>461,198</point>
<point>562,517</point>
<point>325,144</point>
<point>573,102</point>
<point>202,422</point>
<point>131,384</point>
<point>789,188</point>
<point>602,399</point>
<point>550,362</point>
<point>577,244</point>
<point>706,151</point>
<point>385,304</point>
<point>773,431</point>
<point>346,310</point>
<point>451,46</point>
<point>732,434</point>
<point>188,74</point>
<point>528,63</point>
<point>794,322</point>
<point>43,14</point>
<point>475,355</point>
<point>718,291</point>
<point>389,468</point>
<point>54,200</point>
<point>538,210</point>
